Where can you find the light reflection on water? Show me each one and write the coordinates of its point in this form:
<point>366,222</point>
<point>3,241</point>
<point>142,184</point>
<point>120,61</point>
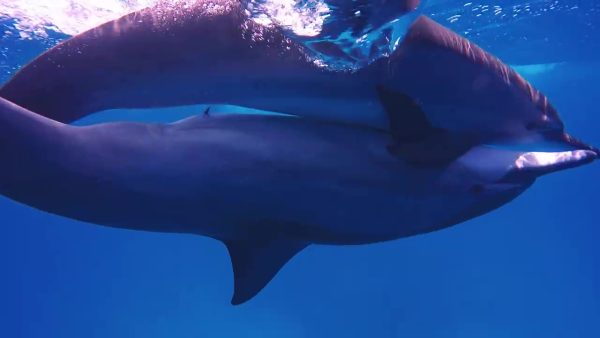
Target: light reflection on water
<point>343,33</point>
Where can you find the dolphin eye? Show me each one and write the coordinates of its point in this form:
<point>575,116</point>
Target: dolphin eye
<point>477,189</point>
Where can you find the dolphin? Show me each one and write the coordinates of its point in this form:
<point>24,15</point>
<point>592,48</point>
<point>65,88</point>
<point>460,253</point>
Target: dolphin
<point>212,52</point>
<point>267,186</point>
<point>206,52</point>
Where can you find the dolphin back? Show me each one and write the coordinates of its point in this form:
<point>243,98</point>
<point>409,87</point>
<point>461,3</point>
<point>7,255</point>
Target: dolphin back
<point>166,55</point>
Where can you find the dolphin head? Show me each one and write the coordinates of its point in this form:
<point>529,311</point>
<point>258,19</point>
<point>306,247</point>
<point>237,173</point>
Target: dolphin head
<point>487,177</point>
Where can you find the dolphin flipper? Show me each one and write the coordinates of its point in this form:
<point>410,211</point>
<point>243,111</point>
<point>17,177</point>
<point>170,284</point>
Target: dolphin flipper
<point>407,121</point>
<point>256,262</point>
<point>414,138</point>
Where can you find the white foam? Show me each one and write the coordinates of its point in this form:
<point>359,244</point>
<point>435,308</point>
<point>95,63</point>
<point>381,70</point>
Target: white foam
<point>304,18</point>
<point>35,18</point>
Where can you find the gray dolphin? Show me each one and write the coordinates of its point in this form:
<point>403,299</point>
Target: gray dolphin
<point>213,53</point>
<point>265,185</point>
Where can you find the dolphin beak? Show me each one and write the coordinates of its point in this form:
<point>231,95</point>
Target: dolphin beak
<point>530,165</point>
<point>542,163</point>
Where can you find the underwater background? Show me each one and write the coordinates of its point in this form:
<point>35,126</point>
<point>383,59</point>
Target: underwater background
<point>529,269</point>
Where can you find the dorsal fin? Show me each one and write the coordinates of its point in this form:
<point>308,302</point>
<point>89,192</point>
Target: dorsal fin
<point>256,262</point>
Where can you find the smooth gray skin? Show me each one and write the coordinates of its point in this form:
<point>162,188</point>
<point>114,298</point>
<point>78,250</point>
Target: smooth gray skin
<point>266,186</point>
<point>212,53</point>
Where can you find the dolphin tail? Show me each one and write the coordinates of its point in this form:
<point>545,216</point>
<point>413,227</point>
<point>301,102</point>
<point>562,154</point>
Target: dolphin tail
<point>256,262</point>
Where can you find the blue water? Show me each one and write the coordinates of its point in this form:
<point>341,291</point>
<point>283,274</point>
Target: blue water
<point>529,269</point>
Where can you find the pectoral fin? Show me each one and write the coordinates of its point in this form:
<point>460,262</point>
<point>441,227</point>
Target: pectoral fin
<point>407,122</point>
<point>256,262</point>
<point>414,138</point>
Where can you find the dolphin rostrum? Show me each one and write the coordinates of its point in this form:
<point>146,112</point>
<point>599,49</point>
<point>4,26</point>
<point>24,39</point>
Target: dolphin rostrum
<point>266,185</point>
